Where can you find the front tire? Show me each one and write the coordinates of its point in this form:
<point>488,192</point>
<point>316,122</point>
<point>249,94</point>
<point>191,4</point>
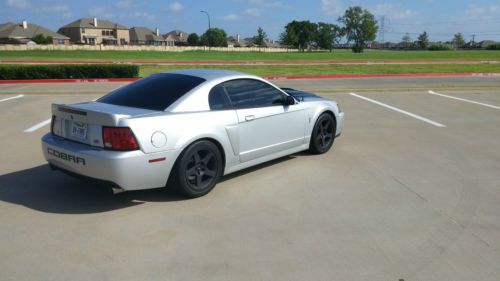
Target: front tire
<point>198,169</point>
<point>323,134</point>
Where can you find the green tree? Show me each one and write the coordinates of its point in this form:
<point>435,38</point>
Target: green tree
<point>214,37</point>
<point>406,41</point>
<point>458,40</point>
<point>360,26</point>
<point>328,35</point>
<point>260,38</point>
<point>300,34</point>
<point>193,39</point>
<point>40,39</point>
<point>423,40</point>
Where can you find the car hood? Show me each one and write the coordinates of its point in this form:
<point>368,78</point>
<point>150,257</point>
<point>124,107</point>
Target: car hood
<point>300,95</point>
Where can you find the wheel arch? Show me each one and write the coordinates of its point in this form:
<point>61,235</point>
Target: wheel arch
<point>219,146</point>
<point>179,157</point>
<point>325,111</point>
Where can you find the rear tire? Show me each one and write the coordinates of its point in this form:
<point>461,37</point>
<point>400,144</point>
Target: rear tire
<point>198,169</point>
<point>323,134</point>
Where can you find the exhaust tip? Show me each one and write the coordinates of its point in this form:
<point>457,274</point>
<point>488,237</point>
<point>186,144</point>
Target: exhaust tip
<point>115,190</point>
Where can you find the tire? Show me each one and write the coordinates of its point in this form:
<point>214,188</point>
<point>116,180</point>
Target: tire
<point>323,134</point>
<point>198,169</point>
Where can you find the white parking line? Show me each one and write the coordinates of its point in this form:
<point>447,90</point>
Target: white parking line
<point>38,126</point>
<point>11,98</point>
<point>465,100</point>
<point>400,111</point>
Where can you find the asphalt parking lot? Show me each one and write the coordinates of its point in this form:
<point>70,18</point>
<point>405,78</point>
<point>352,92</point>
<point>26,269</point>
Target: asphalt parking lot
<point>411,190</point>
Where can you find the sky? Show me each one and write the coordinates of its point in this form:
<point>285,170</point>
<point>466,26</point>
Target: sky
<point>440,18</point>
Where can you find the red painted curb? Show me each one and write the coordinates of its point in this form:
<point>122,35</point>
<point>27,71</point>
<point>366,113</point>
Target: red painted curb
<point>327,62</point>
<point>298,77</point>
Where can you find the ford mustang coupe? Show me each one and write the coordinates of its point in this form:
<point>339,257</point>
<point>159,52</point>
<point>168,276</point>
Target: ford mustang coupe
<point>186,129</point>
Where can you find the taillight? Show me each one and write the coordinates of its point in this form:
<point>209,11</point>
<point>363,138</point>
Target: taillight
<point>119,138</point>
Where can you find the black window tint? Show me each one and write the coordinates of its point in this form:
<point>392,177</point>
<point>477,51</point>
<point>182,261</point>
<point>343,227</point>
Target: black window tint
<point>155,92</point>
<point>245,93</point>
<point>218,99</point>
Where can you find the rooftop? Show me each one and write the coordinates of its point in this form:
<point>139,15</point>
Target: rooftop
<point>89,23</point>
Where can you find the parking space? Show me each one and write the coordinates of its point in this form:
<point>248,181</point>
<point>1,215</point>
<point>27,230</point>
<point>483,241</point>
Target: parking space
<point>396,198</point>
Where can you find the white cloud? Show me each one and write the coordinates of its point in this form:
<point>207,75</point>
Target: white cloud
<point>143,16</point>
<point>100,12</point>
<point>230,17</point>
<point>394,11</point>
<point>67,15</point>
<point>481,12</point>
<point>18,4</point>
<point>127,4</point>
<point>332,7</point>
<point>268,4</point>
<point>175,7</point>
<point>254,12</point>
<point>55,9</point>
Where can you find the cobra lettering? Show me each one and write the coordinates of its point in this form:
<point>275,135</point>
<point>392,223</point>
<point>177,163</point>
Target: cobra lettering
<point>65,156</point>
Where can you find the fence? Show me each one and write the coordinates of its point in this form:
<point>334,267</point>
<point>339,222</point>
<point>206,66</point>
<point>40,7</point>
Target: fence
<point>8,47</point>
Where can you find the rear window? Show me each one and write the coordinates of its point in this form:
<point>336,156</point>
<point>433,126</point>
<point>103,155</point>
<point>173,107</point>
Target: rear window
<point>155,92</point>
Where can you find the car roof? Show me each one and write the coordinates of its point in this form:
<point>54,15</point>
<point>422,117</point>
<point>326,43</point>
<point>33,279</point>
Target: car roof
<point>211,74</point>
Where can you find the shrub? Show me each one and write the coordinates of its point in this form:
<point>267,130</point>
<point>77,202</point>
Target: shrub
<point>440,47</point>
<point>42,40</point>
<point>493,47</point>
<point>67,71</point>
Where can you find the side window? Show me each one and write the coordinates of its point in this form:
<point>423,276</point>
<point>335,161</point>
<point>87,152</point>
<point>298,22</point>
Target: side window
<point>218,99</point>
<point>246,93</point>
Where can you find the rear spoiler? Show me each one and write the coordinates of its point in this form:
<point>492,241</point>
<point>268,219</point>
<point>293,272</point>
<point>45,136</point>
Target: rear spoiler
<point>80,112</point>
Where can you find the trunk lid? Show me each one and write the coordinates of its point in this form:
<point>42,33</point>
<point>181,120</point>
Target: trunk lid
<point>83,122</point>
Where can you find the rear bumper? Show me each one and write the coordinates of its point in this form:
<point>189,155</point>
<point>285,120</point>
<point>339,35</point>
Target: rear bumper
<point>129,170</point>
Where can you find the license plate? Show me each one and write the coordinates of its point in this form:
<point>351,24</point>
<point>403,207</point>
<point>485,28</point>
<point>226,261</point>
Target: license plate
<point>79,130</point>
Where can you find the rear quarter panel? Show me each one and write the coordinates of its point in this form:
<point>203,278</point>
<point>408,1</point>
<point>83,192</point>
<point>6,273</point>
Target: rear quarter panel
<point>182,129</point>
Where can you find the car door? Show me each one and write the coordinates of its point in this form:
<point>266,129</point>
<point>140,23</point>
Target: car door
<point>266,125</point>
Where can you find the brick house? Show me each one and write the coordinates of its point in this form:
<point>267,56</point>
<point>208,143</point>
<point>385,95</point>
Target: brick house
<point>146,36</point>
<point>95,32</point>
<point>179,37</point>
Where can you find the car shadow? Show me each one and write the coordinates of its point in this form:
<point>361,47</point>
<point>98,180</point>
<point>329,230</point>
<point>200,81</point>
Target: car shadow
<point>41,189</point>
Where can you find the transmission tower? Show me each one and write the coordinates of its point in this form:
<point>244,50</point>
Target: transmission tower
<point>382,29</point>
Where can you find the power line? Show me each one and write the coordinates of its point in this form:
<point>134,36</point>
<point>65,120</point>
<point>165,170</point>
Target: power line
<point>468,22</point>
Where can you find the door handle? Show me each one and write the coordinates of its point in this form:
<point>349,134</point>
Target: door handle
<point>249,117</point>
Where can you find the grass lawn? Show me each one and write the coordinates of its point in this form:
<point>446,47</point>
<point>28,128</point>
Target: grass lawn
<point>278,70</point>
<point>337,55</point>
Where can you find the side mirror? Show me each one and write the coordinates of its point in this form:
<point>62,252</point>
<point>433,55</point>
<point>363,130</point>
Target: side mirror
<point>289,100</point>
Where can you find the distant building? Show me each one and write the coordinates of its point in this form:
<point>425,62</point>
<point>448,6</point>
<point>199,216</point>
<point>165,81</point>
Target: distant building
<point>237,41</point>
<point>179,37</point>
<point>146,36</point>
<point>95,32</point>
<point>24,32</point>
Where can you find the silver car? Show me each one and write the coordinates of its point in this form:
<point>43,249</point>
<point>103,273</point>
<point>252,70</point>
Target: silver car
<point>186,129</point>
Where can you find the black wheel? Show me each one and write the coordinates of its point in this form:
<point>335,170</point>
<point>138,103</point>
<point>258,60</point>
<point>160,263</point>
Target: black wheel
<point>198,169</point>
<point>323,134</point>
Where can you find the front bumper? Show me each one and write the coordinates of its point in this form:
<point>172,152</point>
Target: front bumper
<point>129,170</point>
<point>340,124</point>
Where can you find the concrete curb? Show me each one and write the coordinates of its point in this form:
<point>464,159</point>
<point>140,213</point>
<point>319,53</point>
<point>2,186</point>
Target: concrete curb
<point>297,77</point>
